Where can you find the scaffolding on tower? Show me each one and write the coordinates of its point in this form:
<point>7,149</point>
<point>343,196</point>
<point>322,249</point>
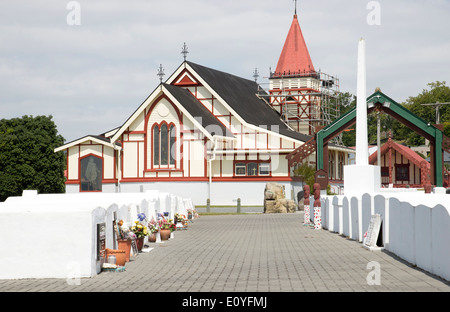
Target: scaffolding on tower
<point>306,101</point>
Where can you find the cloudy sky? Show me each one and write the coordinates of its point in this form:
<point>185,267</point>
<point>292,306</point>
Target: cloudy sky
<point>91,77</point>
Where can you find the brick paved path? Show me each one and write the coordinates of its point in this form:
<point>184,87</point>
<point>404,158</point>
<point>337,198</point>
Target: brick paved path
<point>250,253</point>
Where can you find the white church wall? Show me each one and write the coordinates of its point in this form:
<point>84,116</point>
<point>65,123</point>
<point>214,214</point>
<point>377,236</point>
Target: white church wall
<point>108,163</point>
<point>91,149</point>
<point>130,157</point>
<point>137,125</point>
<point>196,159</point>
<point>73,161</point>
<point>279,166</point>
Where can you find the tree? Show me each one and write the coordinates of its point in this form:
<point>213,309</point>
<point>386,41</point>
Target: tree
<point>438,92</point>
<point>348,102</point>
<point>306,174</point>
<point>27,157</point>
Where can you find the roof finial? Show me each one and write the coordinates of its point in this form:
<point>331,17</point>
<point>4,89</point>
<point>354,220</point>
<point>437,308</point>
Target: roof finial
<point>161,73</point>
<point>295,12</point>
<point>256,74</point>
<point>185,51</point>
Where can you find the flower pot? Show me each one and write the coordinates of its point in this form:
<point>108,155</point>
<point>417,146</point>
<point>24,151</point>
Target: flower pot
<point>152,238</point>
<point>125,245</point>
<point>165,234</point>
<point>139,243</point>
<point>120,256</point>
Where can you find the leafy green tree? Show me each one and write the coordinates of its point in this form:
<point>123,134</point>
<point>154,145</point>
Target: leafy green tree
<point>348,102</point>
<point>306,174</point>
<point>27,157</point>
<point>438,92</point>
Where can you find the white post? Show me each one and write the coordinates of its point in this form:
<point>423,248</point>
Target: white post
<point>361,178</point>
<point>362,146</point>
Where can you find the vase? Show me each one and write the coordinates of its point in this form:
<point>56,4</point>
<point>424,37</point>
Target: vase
<point>120,256</point>
<point>165,234</point>
<point>139,243</point>
<point>125,244</point>
<point>152,238</point>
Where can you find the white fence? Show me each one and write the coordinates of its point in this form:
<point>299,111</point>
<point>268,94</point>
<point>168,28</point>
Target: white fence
<point>56,236</point>
<point>415,226</point>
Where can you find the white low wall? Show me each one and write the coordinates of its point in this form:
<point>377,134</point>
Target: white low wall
<point>55,236</point>
<point>415,225</point>
<point>222,193</point>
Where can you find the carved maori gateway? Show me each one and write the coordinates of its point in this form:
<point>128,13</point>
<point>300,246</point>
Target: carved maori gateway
<point>434,133</point>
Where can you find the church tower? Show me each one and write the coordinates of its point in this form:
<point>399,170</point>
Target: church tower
<point>306,99</point>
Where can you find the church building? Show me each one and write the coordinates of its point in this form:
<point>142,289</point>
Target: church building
<point>207,134</point>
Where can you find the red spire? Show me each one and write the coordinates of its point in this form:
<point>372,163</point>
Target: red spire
<point>294,59</point>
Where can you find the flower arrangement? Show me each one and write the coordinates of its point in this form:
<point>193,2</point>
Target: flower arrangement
<point>165,224</point>
<point>193,214</point>
<point>153,226</point>
<point>180,218</point>
<point>139,229</point>
<point>124,232</point>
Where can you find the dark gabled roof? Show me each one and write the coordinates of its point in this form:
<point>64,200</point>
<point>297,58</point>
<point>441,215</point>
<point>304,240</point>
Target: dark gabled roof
<point>196,109</point>
<point>240,94</point>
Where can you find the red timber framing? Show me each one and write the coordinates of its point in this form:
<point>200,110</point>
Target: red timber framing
<point>298,107</point>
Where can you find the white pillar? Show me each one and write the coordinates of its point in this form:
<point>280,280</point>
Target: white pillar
<point>362,146</point>
<point>361,178</point>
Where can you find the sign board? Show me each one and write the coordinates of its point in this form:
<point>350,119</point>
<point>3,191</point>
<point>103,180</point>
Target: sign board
<point>371,236</point>
<point>321,177</point>
<point>101,241</point>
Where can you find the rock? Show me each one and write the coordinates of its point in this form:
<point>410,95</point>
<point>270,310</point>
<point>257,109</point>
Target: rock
<point>291,207</point>
<point>275,201</point>
<point>270,206</point>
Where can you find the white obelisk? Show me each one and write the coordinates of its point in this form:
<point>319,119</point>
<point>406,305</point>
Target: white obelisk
<point>361,178</point>
<point>362,146</point>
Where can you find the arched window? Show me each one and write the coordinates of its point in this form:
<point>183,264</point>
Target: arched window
<point>164,145</point>
<point>331,165</point>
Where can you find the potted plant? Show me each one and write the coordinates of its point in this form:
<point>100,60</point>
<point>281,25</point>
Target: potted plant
<point>140,231</point>
<point>124,239</point>
<point>165,228</point>
<point>153,228</point>
<point>180,221</point>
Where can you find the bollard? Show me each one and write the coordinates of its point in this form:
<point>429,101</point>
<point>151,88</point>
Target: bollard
<point>208,205</point>
<point>238,205</point>
<point>317,204</point>
<point>306,205</point>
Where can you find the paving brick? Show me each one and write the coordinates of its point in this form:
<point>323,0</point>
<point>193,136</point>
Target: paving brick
<point>242,253</point>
